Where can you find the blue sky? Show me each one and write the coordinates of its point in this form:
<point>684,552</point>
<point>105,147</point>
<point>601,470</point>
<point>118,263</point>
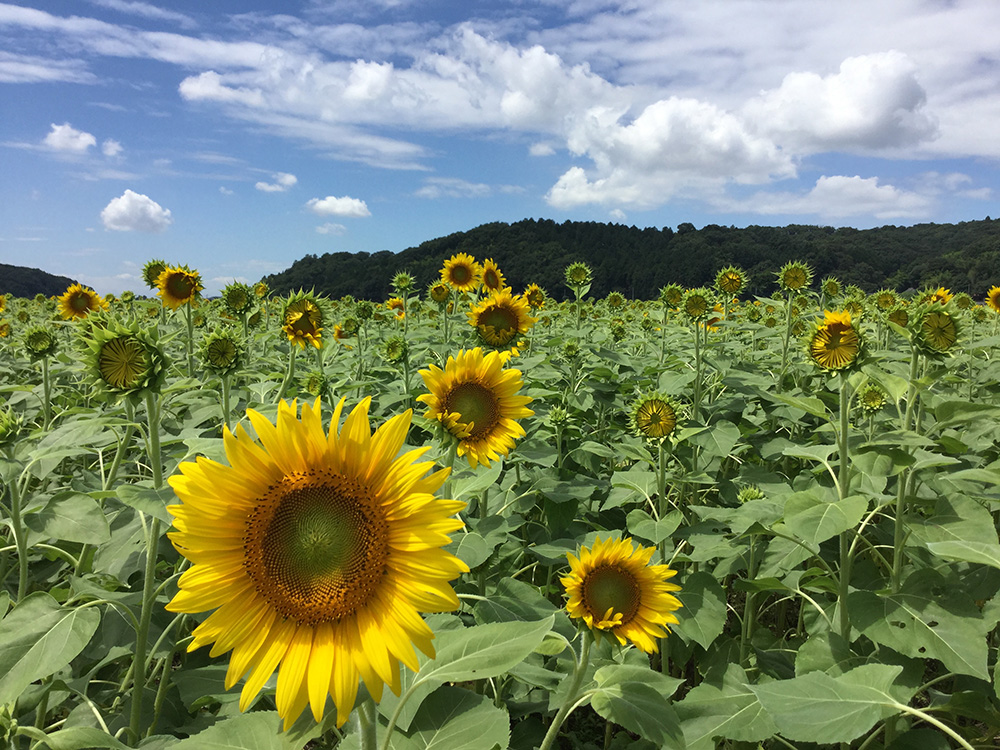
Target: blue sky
<point>235,136</point>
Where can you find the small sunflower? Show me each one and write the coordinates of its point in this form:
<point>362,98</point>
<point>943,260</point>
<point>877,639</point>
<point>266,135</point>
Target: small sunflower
<point>237,298</point>
<point>964,301</point>
<point>477,401</point>
<point>993,299</point>
<point>535,296</point>
<point>830,286</point>
<point>578,274</point>
<point>3,302</point>
<point>885,300</point>
<point>178,285</point>
<point>501,318</point>
<point>794,276</point>
<point>395,349</point>
<point>222,351</point>
<point>872,399</point>
<point>491,277</point>
<point>836,343</point>
<point>303,320</point>
<point>731,280</point>
<point>612,588</point>
<point>77,302</point>
<point>462,272</point>
<point>615,300</point>
<point>672,295</point>
<point>936,330</point>
<point>122,360</point>
<point>402,282</point>
<point>261,289</point>
<point>39,342</point>
<point>4,329</point>
<point>318,550</point>
<point>939,296</point>
<point>655,415</point>
<point>439,292</point>
<point>10,424</point>
<point>151,272</point>
<point>397,306</point>
<point>697,303</point>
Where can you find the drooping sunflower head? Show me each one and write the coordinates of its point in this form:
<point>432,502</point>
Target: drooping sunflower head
<point>439,292</point>
<point>731,280</point>
<point>872,399</point>
<point>936,329</point>
<point>127,297</point>
<point>461,272</point>
<point>578,275</point>
<point>395,349</point>
<point>697,303</point>
<point>397,306</point>
<point>477,401</point>
<point>655,415</point>
<point>794,276</point>
<point>318,550</point>
<point>178,285</point>
<point>615,301</point>
<point>77,302</point>
<point>238,298</point>
<point>491,277</point>
<point>535,296</point>
<point>303,319</point>
<point>151,272</point>
<point>501,319</point>
<point>122,360</point>
<point>39,342</point>
<point>222,351</point>
<point>993,299</point>
<point>403,283</point>
<point>836,343</point>
<point>830,286</point>
<point>672,295</point>
<point>612,588</point>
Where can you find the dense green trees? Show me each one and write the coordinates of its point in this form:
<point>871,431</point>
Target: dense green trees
<point>27,282</point>
<point>637,262</point>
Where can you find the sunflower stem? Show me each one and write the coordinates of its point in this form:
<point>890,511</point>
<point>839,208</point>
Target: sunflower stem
<point>20,540</point>
<point>844,488</point>
<point>899,534</point>
<point>149,577</point>
<point>226,383</point>
<point>366,724</point>
<point>189,343</point>
<point>570,701</point>
<point>289,373</point>
<point>46,394</point>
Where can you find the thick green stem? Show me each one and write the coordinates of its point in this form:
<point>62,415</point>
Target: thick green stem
<point>366,724</point>
<point>226,382</point>
<point>190,338</point>
<point>844,487</point>
<point>289,374</point>
<point>572,695</point>
<point>903,481</point>
<point>20,539</point>
<point>749,608</point>
<point>46,394</point>
<point>785,340</point>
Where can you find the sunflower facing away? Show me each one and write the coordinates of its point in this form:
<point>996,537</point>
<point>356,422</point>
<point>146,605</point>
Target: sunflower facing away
<point>78,302</point>
<point>318,551</point>
<point>501,318</point>
<point>152,270</point>
<point>178,285</point>
<point>612,588</point>
<point>794,276</point>
<point>462,272</point>
<point>835,344</point>
<point>122,360</point>
<point>731,280</point>
<point>654,415</point>
<point>936,331</point>
<point>476,400</point>
<point>993,299</point>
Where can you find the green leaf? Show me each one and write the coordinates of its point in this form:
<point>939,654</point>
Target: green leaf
<point>974,552</point>
<point>150,501</point>
<point>815,519</point>
<point>726,708</point>
<point>82,738</point>
<point>718,440</point>
<point>636,698</point>
<point>703,617</point>
<point>37,638</point>
<point>71,517</point>
<point>808,404</point>
<point>474,482</point>
<point>819,708</point>
<point>473,550</point>
<point>483,650</point>
<point>455,719</point>
<point>643,525</point>
<point>960,529</point>
<point>516,601</point>
<point>258,730</point>
<point>927,619</point>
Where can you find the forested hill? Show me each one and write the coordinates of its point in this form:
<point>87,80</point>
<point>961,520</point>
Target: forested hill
<point>27,282</point>
<point>964,257</point>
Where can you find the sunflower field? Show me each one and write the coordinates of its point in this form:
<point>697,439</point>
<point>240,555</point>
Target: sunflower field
<point>472,518</point>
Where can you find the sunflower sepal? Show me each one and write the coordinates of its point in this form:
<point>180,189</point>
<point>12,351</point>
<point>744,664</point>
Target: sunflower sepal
<point>122,361</point>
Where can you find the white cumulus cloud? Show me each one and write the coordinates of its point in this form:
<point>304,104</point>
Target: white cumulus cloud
<point>840,196</point>
<point>345,206</point>
<point>67,138</point>
<point>134,212</point>
<point>282,182</point>
<point>111,147</point>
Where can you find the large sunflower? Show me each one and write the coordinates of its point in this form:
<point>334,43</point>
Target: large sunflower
<point>477,402</point>
<point>317,551</point>
<point>462,272</point>
<point>836,343</point>
<point>613,588</point>
<point>501,318</point>
<point>79,301</point>
<point>178,285</point>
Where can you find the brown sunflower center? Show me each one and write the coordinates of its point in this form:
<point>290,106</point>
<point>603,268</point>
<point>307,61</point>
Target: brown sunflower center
<point>461,274</point>
<point>612,587</point>
<point>180,286</point>
<point>476,404</point>
<point>490,279</point>
<point>502,320</point>
<point>316,547</point>
<point>80,301</point>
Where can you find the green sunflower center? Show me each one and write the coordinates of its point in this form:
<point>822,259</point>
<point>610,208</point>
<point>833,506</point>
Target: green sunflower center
<point>222,352</point>
<point>461,274</point>
<point>476,404</point>
<point>612,588</point>
<point>316,547</point>
<point>939,331</point>
<point>123,362</point>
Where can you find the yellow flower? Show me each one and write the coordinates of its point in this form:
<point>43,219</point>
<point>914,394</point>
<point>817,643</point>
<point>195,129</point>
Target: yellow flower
<point>940,296</point>
<point>534,295</point>
<point>317,551</point>
<point>491,277</point>
<point>993,299</point>
<point>501,318</point>
<point>476,400</point>
<point>655,416</point>
<point>178,285</point>
<point>835,344</point>
<point>613,588</point>
<point>79,301</point>
<point>462,272</point>
<point>439,291</point>
<point>397,306</point>
<point>303,321</point>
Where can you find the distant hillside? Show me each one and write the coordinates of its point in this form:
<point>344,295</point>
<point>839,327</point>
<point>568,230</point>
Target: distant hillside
<point>27,282</point>
<point>964,257</point>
